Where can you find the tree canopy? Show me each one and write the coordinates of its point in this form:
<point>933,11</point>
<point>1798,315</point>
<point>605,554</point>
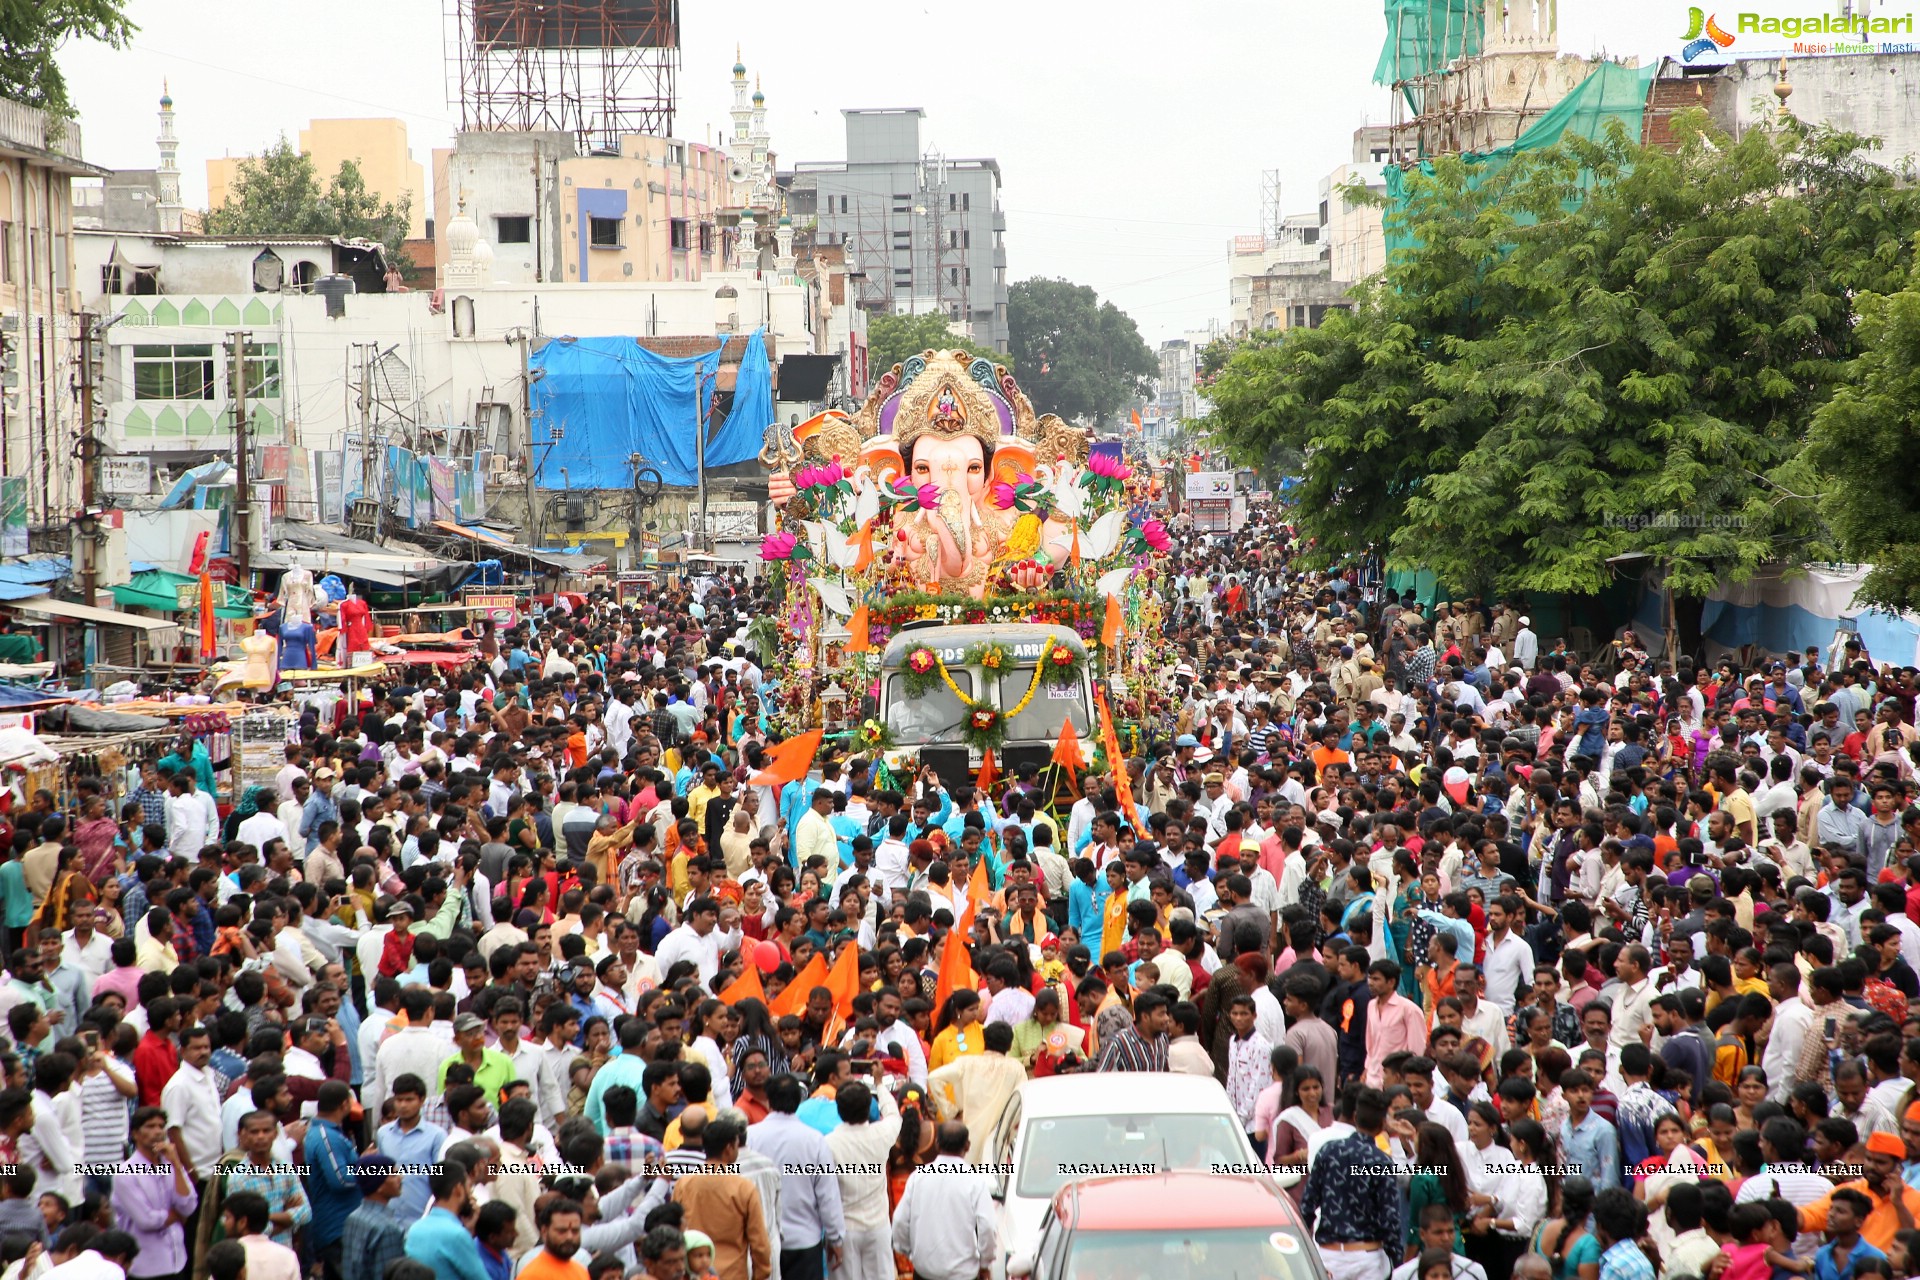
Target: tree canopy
<point>1865,443</point>
<point>1078,357</point>
<point>892,338</point>
<point>1596,353</point>
<point>279,193</point>
<point>31,33</point>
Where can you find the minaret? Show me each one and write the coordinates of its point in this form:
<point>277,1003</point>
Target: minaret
<point>465,268</point>
<point>170,211</point>
<point>762,171</point>
<point>783,261</point>
<point>740,146</point>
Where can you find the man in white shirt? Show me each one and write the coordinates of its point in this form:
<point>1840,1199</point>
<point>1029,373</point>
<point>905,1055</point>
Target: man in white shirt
<point>415,1049</point>
<point>85,947</point>
<point>283,780</point>
<point>191,818</point>
<point>192,1103</point>
<point>699,939</point>
<point>1508,965</point>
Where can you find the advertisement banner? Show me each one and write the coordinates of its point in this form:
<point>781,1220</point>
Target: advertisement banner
<point>1209,484</point>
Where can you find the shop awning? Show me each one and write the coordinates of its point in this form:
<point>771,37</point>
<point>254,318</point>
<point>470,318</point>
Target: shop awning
<point>438,657</point>
<point>71,612</point>
<point>155,590</point>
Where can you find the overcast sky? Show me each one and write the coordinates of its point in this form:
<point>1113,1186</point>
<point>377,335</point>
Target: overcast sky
<point>1131,137</point>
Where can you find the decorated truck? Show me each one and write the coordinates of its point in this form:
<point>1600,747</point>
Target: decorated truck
<point>962,576</point>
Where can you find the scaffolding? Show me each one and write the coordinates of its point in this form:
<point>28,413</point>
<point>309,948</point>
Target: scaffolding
<point>597,69</point>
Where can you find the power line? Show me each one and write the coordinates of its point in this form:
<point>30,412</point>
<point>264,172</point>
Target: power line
<point>281,82</point>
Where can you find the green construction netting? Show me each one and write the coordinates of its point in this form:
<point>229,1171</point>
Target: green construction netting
<point>155,590</point>
<point>1612,92</point>
<point>1424,36</point>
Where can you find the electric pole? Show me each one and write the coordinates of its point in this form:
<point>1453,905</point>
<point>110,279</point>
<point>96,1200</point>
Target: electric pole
<point>521,338</point>
<point>87,450</point>
<point>242,496</point>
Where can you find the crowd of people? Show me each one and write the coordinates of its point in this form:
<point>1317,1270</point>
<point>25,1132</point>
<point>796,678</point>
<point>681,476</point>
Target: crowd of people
<point>1506,958</point>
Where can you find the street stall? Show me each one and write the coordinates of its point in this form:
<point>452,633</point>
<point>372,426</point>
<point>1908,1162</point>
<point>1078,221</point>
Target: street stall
<point>70,743</point>
<point>265,731</point>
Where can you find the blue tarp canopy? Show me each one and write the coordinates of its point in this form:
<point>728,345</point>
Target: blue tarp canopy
<point>611,398</point>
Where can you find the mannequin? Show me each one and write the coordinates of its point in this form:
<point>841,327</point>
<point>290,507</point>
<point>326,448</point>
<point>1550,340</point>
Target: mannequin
<point>356,630</point>
<point>260,650</point>
<point>296,620</point>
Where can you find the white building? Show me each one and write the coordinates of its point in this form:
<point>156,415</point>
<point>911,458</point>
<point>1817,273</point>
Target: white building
<point>438,373</point>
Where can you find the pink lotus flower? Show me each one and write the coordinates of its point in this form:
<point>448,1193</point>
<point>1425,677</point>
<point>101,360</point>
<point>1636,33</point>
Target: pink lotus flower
<point>1109,468</point>
<point>927,496</point>
<point>779,546</point>
<point>1001,494</point>
<point>1155,535</point>
<point>819,476</point>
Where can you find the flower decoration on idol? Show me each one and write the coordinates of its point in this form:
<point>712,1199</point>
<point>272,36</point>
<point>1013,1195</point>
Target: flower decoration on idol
<point>823,475</point>
<point>1149,535</point>
<point>924,497</point>
<point>784,546</point>
<point>1023,493</point>
<point>1105,474</point>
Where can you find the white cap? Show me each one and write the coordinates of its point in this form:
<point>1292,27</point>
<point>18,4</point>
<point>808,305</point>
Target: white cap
<point>1525,621</point>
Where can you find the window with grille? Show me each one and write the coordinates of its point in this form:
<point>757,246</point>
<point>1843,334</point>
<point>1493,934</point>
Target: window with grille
<point>177,372</point>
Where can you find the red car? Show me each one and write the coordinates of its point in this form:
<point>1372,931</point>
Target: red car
<point>1171,1226</point>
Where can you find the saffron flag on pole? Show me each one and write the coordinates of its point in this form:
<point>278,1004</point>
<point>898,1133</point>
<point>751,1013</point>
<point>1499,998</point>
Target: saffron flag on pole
<point>843,979</point>
<point>1066,750</point>
<point>794,998</point>
<point>744,986</point>
<point>789,760</point>
<point>988,775</point>
<point>979,889</point>
<point>1122,784</point>
<point>956,967</point>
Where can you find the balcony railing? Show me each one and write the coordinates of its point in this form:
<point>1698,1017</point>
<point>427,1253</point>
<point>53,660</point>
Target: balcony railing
<point>25,126</point>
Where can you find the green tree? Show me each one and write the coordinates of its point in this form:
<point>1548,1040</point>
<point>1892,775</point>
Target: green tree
<point>1865,444</point>
<point>1597,351</point>
<point>1079,357</point>
<point>31,33</point>
<point>278,193</point>
<point>891,339</point>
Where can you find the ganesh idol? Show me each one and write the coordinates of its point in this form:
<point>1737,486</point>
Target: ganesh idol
<point>963,426</point>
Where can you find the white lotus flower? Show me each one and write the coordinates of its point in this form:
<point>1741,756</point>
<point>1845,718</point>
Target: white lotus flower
<point>1104,536</point>
<point>833,597</point>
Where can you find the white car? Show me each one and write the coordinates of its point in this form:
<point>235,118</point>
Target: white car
<point>1099,1124</point>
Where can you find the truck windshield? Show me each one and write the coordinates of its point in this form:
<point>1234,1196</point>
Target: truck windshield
<point>931,717</point>
<point>1040,722</point>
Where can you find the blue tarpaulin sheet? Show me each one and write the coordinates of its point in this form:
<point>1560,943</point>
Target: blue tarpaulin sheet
<point>611,398</point>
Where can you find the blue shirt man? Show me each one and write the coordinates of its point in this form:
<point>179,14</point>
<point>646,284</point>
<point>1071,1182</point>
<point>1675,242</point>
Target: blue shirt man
<point>442,1242</point>
<point>409,1140</point>
<point>332,1185</point>
<point>1589,1141</point>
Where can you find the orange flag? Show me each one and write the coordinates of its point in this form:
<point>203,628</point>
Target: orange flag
<point>1122,784</point>
<point>979,889</point>
<point>1066,750</point>
<point>844,980</point>
<point>1110,626</point>
<point>857,640</point>
<point>747,984</point>
<point>983,784</point>
<point>789,761</point>
<point>794,998</point>
<point>956,967</point>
